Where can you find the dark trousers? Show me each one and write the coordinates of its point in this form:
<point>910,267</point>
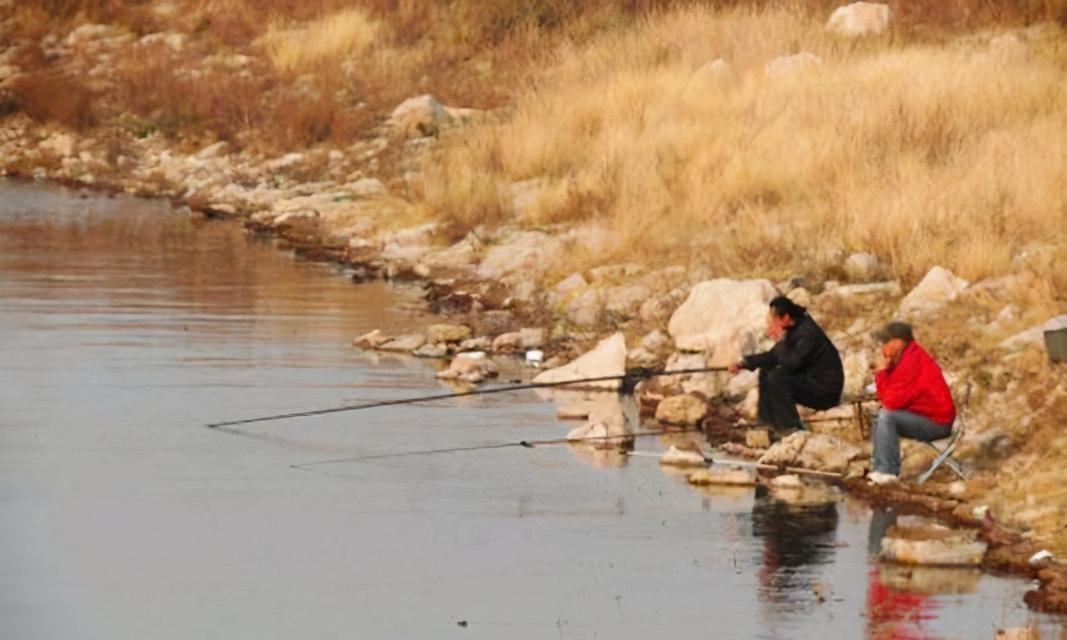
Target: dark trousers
<point>780,393</point>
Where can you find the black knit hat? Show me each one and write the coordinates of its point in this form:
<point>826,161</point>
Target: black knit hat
<point>893,330</point>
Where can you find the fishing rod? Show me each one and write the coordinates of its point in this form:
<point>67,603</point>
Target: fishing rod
<point>760,466</point>
<point>630,378</point>
<point>527,444</point>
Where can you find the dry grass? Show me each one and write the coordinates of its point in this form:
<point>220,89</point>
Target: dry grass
<point>919,146</point>
<point>923,154</point>
<point>328,40</point>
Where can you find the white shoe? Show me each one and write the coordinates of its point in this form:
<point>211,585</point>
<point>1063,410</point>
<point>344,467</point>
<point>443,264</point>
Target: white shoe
<point>881,479</point>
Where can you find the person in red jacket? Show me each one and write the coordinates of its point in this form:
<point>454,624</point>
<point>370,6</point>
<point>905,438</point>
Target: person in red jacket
<point>916,401</point>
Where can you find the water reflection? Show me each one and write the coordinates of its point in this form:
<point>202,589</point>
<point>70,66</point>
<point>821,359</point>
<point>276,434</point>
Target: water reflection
<point>795,537</point>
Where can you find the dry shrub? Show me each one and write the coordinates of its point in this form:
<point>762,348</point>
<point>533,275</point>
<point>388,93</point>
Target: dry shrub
<point>921,154</point>
<point>52,96</point>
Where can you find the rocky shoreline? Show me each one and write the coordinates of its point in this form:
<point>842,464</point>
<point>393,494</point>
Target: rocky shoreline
<point>505,290</point>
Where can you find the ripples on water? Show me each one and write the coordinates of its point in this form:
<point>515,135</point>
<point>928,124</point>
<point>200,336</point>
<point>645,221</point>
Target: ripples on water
<point>124,327</point>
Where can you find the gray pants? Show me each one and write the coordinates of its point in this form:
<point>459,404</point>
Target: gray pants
<point>893,424</point>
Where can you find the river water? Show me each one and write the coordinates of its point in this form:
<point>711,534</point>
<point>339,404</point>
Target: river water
<point>125,326</point>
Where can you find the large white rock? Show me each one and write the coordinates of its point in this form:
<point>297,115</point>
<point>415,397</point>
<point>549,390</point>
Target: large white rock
<point>938,287</point>
<point>608,358</point>
<point>419,116</point>
<point>815,451</point>
<point>860,19</point>
<point>723,318</point>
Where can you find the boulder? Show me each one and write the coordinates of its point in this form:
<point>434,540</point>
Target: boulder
<point>738,476</point>
<point>642,357</point>
<point>625,301</point>
<point>471,366</point>
<point>859,19</point>
<point>419,116</point>
<point>588,308</point>
<point>408,342</point>
<point>569,287</point>
<point>431,350</point>
<point>657,342</point>
<point>371,340</point>
<point>510,342</point>
<point>723,318</point>
<point>675,457</point>
<point>481,343</point>
<point>788,65</point>
<point>862,267</point>
<point>528,253</point>
<point>740,384</point>
<point>447,333</point>
<point>815,451</point>
<point>707,385</point>
<point>608,358</point>
<point>683,409</point>
<point>938,287</point>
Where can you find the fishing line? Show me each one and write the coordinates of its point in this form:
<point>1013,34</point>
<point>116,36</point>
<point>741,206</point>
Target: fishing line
<point>629,379</point>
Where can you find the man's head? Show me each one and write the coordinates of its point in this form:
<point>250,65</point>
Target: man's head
<point>783,313</point>
<point>894,337</point>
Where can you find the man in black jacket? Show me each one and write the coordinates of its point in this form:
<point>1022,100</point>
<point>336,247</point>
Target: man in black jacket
<point>803,367</point>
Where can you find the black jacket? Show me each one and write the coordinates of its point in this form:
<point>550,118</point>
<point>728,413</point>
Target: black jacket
<point>806,352</point>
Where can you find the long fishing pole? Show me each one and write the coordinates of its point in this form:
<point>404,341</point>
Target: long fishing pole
<point>708,460</point>
<point>528,444</point>
<point>633,376</point>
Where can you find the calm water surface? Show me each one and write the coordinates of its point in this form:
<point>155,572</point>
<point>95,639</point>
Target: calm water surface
<point>124,327</point>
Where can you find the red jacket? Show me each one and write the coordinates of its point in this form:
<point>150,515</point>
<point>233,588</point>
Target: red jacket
<point>915,383</point>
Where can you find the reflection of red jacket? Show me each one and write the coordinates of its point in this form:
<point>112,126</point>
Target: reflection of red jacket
<point>915,383</point>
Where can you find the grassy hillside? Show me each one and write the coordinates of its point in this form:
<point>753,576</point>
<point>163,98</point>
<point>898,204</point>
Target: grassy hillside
<point>940,142</point>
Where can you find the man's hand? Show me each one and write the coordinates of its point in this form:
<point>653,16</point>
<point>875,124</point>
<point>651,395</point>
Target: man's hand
<point>734,368</point>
